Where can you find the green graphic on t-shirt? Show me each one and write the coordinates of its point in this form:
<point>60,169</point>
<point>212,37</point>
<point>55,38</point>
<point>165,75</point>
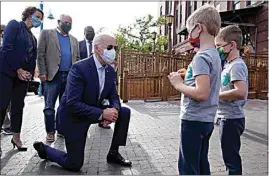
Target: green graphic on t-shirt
<point>225,79</point>
<point>189,72</point>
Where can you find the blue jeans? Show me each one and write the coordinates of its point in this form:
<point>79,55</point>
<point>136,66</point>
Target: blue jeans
<point>41,89</point>
<point>230,131</point>
<point>193,149</point>
<point>52,90</point>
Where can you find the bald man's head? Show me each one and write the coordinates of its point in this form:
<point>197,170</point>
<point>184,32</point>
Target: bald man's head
<point>103,40</point>
<point>104,43</point>
<point>89,33</point>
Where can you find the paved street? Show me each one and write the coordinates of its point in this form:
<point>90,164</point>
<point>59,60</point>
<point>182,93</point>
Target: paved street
<point>152,143</point>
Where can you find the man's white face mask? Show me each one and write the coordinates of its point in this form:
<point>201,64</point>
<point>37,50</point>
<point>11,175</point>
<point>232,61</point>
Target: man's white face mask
<point>109,56</point>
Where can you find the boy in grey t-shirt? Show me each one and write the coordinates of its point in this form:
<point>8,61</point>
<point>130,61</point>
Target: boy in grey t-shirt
<point>200,92</point>
<point>233,96</point>
<point>205,62</point>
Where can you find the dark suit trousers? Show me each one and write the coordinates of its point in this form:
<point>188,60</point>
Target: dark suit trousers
<point>74,158</point>
<point>15,90</point>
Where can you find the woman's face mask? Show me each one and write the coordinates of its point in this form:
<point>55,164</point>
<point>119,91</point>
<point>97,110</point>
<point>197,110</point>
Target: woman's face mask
<point>36,22</point>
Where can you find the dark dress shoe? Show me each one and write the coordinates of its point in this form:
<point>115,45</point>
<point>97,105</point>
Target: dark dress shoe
<point>39,147</point>
<point>105,127</point>
<point>115,157</point>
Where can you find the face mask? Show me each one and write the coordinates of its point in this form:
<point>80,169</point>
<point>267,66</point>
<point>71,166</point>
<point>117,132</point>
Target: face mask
<point>89,36</point>
<point>36,22</point>
<point>66,27</point>
<point>222,54</point>
<point>108,56</point>
<point>194,42</point>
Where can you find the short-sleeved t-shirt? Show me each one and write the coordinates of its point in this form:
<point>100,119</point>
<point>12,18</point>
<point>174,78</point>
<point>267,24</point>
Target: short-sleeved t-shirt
<point>236,70</point>
<point>205,62</point>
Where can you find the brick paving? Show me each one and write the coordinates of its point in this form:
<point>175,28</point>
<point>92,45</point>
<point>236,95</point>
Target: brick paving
<point>152,143</point>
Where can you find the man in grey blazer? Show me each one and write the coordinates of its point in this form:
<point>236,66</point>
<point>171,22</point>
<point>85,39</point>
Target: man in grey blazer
<point>57,51</point>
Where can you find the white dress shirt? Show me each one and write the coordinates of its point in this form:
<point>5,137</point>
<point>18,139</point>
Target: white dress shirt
<point>87,46</point>
<point>101,74</point>
<point>101,70</point>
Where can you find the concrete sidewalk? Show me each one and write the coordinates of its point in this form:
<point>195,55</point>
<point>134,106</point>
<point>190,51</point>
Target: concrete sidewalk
<point>152,143</point>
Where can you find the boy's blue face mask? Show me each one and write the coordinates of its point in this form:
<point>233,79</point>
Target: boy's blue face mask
<point>222,54</point>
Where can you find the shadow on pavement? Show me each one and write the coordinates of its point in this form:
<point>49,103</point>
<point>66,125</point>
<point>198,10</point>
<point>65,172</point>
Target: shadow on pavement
<point>255,139</point>
<point>96,149</point>
<point>147,159</point>
<point>260,135</point>
<point>144,163</point>
<point>7,157</point>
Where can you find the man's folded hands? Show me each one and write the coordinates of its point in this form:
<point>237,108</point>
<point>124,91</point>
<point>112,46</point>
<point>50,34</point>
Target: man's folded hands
<point>110,115</point>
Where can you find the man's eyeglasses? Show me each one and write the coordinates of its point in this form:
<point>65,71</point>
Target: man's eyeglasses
<point>109,47</point>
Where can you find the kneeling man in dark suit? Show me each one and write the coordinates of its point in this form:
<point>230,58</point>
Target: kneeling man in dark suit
<point>89,82</point>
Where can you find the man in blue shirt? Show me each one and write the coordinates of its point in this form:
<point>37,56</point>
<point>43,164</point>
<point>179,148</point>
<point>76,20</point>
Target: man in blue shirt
<point>57,51</point>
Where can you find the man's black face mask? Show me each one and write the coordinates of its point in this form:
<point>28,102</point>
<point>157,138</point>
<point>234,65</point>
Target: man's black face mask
<point>89,36</point>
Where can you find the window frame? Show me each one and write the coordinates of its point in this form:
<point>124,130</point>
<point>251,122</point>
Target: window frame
<point>195,5</point>
<point>180,13</point>
<point>188,8</point>
<point>235,4</point>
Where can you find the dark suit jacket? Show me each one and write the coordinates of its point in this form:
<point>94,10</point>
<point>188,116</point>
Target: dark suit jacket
<point>15,49</point>
<point>80,106</point>
<point>83,49</point>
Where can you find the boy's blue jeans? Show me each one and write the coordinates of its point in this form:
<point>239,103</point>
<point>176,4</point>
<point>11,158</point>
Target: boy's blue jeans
<point>193,149</point>
<point>52,90</point>
<point>230,131</point>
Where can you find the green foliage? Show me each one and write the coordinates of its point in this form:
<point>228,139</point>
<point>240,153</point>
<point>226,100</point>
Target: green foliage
<point>138,35</point>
